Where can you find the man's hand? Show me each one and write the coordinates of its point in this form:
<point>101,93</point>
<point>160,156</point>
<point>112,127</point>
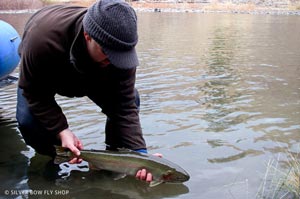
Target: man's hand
<point>70,141</point>
<point>144,175</point>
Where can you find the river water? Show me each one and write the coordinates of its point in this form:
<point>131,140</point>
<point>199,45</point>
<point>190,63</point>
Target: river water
<point>220,96</point>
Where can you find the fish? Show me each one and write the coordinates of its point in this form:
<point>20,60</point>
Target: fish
<point>128,162</point>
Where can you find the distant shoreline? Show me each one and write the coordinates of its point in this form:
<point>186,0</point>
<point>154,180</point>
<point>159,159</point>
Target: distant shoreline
<point>8,6</point>
<point>211,8</point>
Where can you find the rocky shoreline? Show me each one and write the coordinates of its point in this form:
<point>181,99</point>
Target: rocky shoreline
<point>231,11</point>
<point>212,8</point>
<point>252,12</point>
<point>151,6</point>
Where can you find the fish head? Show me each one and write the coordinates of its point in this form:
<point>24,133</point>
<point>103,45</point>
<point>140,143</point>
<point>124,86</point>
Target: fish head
<point>175,176</point>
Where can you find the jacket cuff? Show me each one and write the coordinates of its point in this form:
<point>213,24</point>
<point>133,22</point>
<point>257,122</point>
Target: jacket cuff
<point>141,150</point>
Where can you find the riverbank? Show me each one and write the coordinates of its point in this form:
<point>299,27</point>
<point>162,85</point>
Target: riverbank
<point>278,8</point>
<point>246,8</point>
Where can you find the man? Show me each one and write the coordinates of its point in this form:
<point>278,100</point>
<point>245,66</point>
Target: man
<point>75,52</point>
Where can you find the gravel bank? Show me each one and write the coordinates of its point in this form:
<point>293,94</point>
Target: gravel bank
<point>273,7</point>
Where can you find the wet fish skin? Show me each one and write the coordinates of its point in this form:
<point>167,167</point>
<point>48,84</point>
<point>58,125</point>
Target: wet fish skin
<point>129,162</point>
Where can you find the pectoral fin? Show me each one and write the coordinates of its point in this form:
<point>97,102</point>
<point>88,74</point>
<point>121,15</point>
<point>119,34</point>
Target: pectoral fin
<point>62,155</point>
<point>120,176</point>
<point>155,183</point>
<point>60,159</point>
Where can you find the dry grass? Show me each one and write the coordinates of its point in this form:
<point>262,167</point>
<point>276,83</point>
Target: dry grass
<point>295,6</point>
<point>281,183</point>
<point>152,5</point>
<point>20,4</point>
<point>226,6</point>
<point>85,3</point>
<point>292,182</point>
<point>195,6</point>
<point>35,4</point>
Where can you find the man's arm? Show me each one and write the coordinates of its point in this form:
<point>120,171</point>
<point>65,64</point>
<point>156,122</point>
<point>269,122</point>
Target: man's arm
<point>117,101</point>
<point>41,100</point>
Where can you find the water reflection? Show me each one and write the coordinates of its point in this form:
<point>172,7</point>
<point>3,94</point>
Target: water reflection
<point>14,158</point>
<point>219,90</point>
<point>99,184</point>
<point>241,153</point>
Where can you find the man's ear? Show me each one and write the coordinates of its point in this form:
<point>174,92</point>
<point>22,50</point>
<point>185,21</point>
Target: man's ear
<point>86,36</point>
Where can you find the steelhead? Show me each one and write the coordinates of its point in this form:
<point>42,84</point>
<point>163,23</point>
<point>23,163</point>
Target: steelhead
<point>128,162</point>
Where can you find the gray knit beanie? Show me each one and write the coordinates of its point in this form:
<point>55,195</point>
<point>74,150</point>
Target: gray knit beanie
<point>113,24</point>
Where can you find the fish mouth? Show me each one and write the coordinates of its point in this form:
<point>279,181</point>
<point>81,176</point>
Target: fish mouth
<point>183,177</point>
<point>180,179</point>
<point>186,177</point>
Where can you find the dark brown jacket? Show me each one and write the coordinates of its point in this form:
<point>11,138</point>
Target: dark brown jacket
<point>54,60</point>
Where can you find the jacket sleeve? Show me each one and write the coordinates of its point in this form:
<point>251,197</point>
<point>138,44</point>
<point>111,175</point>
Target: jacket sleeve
<point>123,128</point>
<point>34,81</point>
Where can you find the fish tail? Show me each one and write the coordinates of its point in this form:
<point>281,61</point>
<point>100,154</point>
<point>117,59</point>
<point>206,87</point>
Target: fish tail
<point>62,155</point>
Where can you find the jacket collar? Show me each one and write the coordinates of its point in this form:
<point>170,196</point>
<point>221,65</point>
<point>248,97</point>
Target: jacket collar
<point>79,57</point>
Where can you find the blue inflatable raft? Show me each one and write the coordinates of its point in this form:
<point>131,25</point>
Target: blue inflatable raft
<point>9,43</point>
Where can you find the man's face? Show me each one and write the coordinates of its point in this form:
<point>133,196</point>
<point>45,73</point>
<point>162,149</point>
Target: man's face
<point>95,51</point>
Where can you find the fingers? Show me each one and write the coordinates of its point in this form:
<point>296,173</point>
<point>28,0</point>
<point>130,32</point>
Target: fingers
<point>149,177</point>
<point>143,175</point>
<point>158,155</point>
<point>69,140</point>
<point>75,160</point>
<point>74,149</point>
<point>138,174</point>
<point>79,144</point>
